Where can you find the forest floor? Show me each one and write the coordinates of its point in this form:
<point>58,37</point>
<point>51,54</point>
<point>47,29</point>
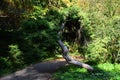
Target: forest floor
<point>40,71</point>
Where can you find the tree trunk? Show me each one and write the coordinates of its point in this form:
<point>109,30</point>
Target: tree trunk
<point>67,57</point>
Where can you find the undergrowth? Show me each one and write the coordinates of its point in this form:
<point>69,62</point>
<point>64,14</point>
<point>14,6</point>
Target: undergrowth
<point>106,71</point>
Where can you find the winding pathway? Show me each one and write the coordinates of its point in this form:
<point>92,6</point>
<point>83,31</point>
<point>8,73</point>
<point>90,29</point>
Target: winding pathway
<point>40,71</point>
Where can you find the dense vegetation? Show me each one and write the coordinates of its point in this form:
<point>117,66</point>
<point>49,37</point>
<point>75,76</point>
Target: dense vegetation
<point>104,71</point>
<point>28,31</point>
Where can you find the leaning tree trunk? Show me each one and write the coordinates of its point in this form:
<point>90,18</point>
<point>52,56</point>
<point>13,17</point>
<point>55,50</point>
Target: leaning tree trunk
<point>67,57</point>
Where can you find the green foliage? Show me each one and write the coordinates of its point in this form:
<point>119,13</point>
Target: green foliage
<point>15,56</point>
<point>105,40</point>
<point>34,40</point>
<point>5,66</point>
<point>12,62</point>
<point>39,34</point>
<point>4,63</point>
<point>14,50</point>
<point>102,26</point>
<point>97,50</point>
<point>28,32</point>
<point>104,71</point>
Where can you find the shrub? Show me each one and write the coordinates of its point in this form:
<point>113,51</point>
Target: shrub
<point>103,31</point>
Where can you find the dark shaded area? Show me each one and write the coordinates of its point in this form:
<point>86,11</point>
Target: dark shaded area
<point>7,38</point>
<point>100,74</point>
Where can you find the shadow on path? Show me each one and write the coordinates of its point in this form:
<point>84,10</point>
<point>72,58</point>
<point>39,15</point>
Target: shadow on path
<point>40,71</point>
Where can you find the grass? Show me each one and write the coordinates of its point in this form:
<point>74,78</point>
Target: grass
<point>106,71</point>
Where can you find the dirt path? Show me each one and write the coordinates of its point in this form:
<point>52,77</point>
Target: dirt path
<point>40,71</point>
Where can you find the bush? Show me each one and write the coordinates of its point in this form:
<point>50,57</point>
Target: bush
<point>39,34</point>
<point>102,27</point>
